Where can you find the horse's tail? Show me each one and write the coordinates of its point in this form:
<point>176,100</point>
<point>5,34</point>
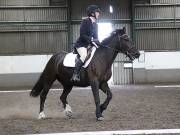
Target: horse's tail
<point>48,76</point>
<point>38,87</point>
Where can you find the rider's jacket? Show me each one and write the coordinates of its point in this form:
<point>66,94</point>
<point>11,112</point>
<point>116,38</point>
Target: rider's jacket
<point>88,30</point>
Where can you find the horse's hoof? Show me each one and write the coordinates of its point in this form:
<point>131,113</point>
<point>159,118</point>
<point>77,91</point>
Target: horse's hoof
<point>100,119</point>
<point>68,114</point>
<point>68,111</point>
<point>41,116</point>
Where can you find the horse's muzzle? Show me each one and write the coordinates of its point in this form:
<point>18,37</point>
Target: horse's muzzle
<point>137,55</point>
<point>133,56</point>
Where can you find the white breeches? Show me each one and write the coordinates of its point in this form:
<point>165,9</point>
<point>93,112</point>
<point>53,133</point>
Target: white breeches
<point>82,52</point>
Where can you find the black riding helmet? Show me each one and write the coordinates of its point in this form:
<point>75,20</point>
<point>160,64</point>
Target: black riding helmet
<point>92,9</point>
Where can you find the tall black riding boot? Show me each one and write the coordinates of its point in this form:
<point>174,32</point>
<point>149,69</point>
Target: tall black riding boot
<point>75,77</point>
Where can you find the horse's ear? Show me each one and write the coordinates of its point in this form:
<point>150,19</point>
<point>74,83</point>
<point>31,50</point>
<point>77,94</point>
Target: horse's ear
<point>124,29</point>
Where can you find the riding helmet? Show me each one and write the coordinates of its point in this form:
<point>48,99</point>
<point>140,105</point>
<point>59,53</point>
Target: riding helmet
<point>92,9</point>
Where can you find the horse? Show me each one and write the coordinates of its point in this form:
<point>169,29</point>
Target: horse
<point>95,75</point>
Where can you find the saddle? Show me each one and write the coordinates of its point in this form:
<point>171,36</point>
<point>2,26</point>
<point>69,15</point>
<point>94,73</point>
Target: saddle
<point>71,58</point>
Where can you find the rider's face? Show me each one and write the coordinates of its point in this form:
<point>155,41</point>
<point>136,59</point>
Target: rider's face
<point>97,15</point>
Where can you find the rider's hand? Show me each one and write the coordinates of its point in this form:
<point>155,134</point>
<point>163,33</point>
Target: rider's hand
<point>96,41</point>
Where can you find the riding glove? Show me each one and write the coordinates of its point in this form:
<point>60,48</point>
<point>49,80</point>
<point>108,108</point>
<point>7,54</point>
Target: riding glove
<point>96,41</point>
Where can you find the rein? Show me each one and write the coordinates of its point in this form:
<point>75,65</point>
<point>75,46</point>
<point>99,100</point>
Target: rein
<point>119,50</point>
<point>114,49</point>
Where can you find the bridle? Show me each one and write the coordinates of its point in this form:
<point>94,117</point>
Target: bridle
<point>130,55</point>
<point>114,49</point>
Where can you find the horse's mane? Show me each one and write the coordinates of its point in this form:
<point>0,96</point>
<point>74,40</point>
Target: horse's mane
<point>107,40</point>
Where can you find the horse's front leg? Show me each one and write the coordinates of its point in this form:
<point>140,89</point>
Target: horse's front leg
<point>95,90</point>
<point>105,88</point>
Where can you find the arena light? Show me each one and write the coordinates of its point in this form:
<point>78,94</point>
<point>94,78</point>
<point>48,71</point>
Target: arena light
<point>111,9</point>
<point>104,29</point>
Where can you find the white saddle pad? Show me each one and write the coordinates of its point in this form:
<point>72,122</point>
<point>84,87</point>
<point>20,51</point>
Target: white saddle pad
<point>69,60</point>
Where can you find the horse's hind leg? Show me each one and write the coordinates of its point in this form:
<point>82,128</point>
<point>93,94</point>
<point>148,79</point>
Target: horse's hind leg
<point>105,88</point>
<point>43,96</point>
<point>63,98</point>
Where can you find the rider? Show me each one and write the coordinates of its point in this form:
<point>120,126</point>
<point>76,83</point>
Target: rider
<point>88,35</point>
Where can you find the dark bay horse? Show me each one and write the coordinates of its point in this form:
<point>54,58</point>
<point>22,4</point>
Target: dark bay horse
<point>95,75</point>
